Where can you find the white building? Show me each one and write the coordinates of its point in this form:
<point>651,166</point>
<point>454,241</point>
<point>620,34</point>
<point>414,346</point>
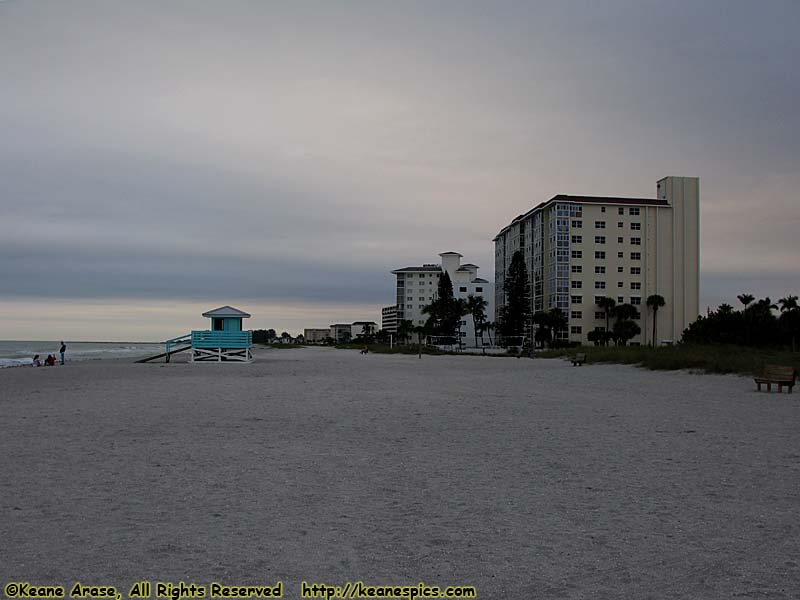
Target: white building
<point>346,332</point>
<point>418,286</point>
<point>389,318</point>
<point>578,249</point>
<point>314,335</point>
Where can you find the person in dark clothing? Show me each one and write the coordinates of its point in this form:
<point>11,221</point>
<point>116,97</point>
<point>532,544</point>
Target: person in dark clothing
<point>63,349</point>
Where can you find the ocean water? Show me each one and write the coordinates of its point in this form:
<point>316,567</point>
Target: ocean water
<point>14,354</point>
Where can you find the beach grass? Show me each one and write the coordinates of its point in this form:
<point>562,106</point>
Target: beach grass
<point>396,349</point>
<point>704,358</point>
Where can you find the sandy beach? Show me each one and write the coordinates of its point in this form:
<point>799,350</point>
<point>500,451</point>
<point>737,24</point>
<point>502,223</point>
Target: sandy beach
<point>523,478</point>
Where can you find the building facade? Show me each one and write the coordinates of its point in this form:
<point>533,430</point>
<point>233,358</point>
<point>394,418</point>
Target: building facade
<point>316,335</point>
<point>341,332</point>
<point>346,332</point>
<point>389,318</point>
<point>360,328</point>
<point>416,287</point>
<point>578,249</point>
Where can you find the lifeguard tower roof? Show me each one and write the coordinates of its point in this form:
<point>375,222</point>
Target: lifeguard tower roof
<point>226,311</point>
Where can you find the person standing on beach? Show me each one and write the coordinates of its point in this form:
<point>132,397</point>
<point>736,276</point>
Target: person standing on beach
<point>63,349</point>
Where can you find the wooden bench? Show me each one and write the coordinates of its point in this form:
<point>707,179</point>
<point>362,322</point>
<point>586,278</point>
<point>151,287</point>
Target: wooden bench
<point>781,376</point>
<point>578,360</point>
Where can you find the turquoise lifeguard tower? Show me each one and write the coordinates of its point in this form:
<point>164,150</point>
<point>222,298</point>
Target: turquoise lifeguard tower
<point>226,341</point>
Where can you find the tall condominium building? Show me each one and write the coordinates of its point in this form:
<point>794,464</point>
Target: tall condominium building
<point>417,287</point>
<point>578,249</point>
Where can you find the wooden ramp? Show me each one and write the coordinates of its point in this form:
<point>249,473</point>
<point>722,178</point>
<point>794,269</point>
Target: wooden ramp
<point>163,354</point>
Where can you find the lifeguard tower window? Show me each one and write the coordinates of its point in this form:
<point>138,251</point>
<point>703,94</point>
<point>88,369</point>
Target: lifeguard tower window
<point>219,325</point>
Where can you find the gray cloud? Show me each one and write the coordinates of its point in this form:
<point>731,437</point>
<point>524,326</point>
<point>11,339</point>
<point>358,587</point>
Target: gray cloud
<point>301,150</point>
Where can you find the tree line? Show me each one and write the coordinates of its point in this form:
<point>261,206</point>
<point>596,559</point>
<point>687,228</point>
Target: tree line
<point>756,324</point>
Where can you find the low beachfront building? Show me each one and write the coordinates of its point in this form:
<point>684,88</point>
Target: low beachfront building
<point>346,332</point>
<point>316,335</point>
<point>361,328</point>
<point>580,249</point>
<point>341,332</point>
<point>417,286</point>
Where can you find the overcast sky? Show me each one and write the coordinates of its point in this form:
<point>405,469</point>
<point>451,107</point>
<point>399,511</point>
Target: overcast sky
<point>160,158</point>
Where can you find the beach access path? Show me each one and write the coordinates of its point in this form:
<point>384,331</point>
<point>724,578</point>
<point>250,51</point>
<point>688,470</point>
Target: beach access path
<point>523,478</point>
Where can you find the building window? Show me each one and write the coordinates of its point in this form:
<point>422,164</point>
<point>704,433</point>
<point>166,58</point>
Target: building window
<point>600,315</point>
<point>576,314</point>
<point>575,329</point>
<point>577,254</point>
<point>598,299</point>
<point>635,285</point>
<point>577,239</point>
<point>620,254</point>
<point>636,256</point>
<point>620,224</point>
<point>636,300</point>
<point>602,209</point>
<point>620,284</point>
<point>599,224</point>
<point>576,299</point>
<point>636,241</point>
<point>621,211</point>
<point>478,289</point>
<point>599,269</point>
<point>599,328</point>
<point>636,226</point>
<point>599,285</point>
<point>599,239</point>
<point>635,270</point>
<point>620,299</point>
<point>577,224</point>
<point>600,254</point>
<point>462,289</point>
<point>577,269</point>
<point>576,285</point>
<point>634,212</point>
<point>620,269</point>
<point>620,240</point>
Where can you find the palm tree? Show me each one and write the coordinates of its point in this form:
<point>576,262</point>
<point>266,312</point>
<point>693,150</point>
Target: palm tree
<point>420,331</point>
<point>607,304</point>
<point>788,303</point>
<point>790,318</point>
<point>476,306</point>
<point>746,299</point>
<point>488,327</point>
<point>625,328</point>
<point>404,329</point>
<point>655,302</point>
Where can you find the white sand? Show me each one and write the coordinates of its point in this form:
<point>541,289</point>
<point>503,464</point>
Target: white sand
<point>525,478</point>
